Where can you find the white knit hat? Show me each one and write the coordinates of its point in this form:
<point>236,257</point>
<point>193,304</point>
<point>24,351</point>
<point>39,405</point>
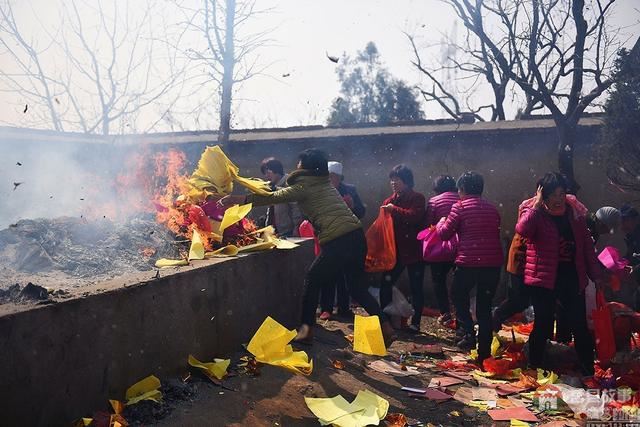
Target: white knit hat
<point>335,167</point>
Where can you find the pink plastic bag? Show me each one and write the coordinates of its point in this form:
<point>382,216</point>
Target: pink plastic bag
<point>612,261</point>
<point>434,249</point>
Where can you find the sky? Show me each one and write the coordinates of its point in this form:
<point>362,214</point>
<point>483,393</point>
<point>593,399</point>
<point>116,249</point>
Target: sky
<point>302,33</point>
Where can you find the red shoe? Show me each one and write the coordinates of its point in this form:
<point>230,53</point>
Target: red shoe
<point>325,315</point>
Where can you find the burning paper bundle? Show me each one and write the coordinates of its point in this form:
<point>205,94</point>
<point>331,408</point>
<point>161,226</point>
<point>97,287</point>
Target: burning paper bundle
<point>190,208</point>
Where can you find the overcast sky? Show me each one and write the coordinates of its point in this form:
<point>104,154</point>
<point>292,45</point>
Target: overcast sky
<point>303,31</point>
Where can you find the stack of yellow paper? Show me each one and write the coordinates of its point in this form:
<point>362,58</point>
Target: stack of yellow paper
<point>270,345</point>
<point>366,409</point>
<point>367,336</point>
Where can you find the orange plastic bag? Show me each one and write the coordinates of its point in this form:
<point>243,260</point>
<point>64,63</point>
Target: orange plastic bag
<point>381,244</point>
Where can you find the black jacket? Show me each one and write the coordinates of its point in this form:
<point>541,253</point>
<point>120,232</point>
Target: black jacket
<point>358,208</point>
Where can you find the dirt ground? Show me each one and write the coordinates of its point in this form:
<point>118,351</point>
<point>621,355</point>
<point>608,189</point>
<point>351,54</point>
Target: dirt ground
<point>276,396</point>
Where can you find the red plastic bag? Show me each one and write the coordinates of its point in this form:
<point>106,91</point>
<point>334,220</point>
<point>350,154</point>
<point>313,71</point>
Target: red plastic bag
<point>603,329</point>
<point>381,245</point>
<point>306,230</point>
<point>436,250</point>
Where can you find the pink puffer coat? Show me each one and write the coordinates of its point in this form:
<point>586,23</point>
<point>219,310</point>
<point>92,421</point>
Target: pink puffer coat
<point>543,248</point>
<point>477,223</point>
<point>439,206</point>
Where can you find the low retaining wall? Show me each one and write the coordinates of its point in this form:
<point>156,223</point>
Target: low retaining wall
<point>62,361</point>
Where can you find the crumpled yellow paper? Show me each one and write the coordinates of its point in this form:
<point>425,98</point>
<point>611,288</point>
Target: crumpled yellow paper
<point>254,247</point>
<point>196,251</point>
<point>270,345</point>
<point>217,368</point>
<point>146,389</point>
<point>518,423</point>
<point>164,262</point>
<point>495,347</point>
<point>215,175</point>
<point>229,250</point>
<point>366,409</point>
<point>367,336</point>
<point>234,214</point>
<point>546,377</point>
<point>83,422</point>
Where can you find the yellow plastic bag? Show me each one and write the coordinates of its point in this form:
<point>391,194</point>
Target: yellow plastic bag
<point>270,345</point>
<point>164,262</point>
<point>367,336</point>
<point>196,251</point>
<point>146,389</point>
<point>217,368</point>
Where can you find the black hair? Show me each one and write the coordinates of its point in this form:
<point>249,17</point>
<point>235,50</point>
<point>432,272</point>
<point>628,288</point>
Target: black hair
<point>272,164</point>
<point>404,173</point>
<point>628,211</point>
<point>314,159</point>
<point>472,183</point>
<point>550,182</point>
<point>443,184</point>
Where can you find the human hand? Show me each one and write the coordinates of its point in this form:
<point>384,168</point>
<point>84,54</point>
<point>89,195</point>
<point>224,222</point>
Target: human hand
<point>231,200</point>
<point>388,207</point>
<point>538,202</point>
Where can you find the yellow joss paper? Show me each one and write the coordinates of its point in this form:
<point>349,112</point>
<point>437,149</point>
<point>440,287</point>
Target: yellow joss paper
<point>217,368</point>
<point>196,251</point>
<point>83,422</point>
<point>367,336</point>
<point>146,389</point>
<point>495,345</point>
<point>546,377</point>
<point>366,409</point>
<point>270,345</point>
<point>254,185</point>
<point>260,246</point>
<point>518,423</point>
<point>285,244</point>
<point>164,262</point>
<point>234,214</point>
<point>229,250</point>
<point>117,406</point>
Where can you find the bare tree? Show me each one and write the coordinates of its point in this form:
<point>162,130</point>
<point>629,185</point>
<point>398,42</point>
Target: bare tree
<point>558,52</point>
<point>98,70</point>
<point>230,54</point>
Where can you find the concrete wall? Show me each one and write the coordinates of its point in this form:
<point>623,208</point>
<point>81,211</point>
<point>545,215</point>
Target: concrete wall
<point>63,361</point>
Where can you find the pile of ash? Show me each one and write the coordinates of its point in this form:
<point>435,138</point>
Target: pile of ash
<point>83,249</point>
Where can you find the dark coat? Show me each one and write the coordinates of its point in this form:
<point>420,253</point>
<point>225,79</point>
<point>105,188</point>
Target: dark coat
<point>408,220</point>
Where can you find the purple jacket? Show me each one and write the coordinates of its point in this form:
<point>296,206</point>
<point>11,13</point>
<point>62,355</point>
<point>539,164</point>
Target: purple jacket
<point>439,206</point>
<point>543,248</point>
<point>477,223</point>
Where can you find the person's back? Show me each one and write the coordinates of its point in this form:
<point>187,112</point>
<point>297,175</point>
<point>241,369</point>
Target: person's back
<point>478,228</point>
<point>439,206</point>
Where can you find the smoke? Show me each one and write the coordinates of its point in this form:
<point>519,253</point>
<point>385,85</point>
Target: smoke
<point>90,181</point>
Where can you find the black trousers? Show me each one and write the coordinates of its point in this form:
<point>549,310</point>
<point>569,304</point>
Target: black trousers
<point>344,255</point>
<point>518,299</point>
<point>572,303</point>
<point>416,280</point>
<point>439,271</point>
<point>328,295</point>
<point>485,280</point>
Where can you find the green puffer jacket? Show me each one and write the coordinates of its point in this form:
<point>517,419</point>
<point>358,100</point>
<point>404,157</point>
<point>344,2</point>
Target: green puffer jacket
<point>318,201</point>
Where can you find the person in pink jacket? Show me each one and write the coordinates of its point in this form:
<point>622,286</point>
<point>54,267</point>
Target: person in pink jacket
<point>559,257</point>
<point>439,207</point>
<point>478,260</point>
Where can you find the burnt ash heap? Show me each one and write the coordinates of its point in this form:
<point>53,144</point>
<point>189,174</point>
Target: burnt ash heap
<point>86,248</point>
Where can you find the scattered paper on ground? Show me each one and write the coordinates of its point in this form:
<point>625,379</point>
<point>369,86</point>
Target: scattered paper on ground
<point>522,414</point>
<point>146,389</point>
<point>217,368</point>
<point>366,409</point>
<point>367,336</point>
<point>270,345</point>
<point>393,368</point>
<point>444,382</point>
<point>435,394</point>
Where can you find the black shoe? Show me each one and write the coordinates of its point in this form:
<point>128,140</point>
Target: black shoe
<point>468,342</point>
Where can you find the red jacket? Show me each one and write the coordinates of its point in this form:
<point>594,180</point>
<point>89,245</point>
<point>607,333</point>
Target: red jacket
<point>408,221</point>
<point>543,248</point>
<point>439,206</point>
<point>477,223</point>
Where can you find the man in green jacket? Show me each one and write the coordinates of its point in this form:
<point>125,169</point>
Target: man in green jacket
<point>340,234</point>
